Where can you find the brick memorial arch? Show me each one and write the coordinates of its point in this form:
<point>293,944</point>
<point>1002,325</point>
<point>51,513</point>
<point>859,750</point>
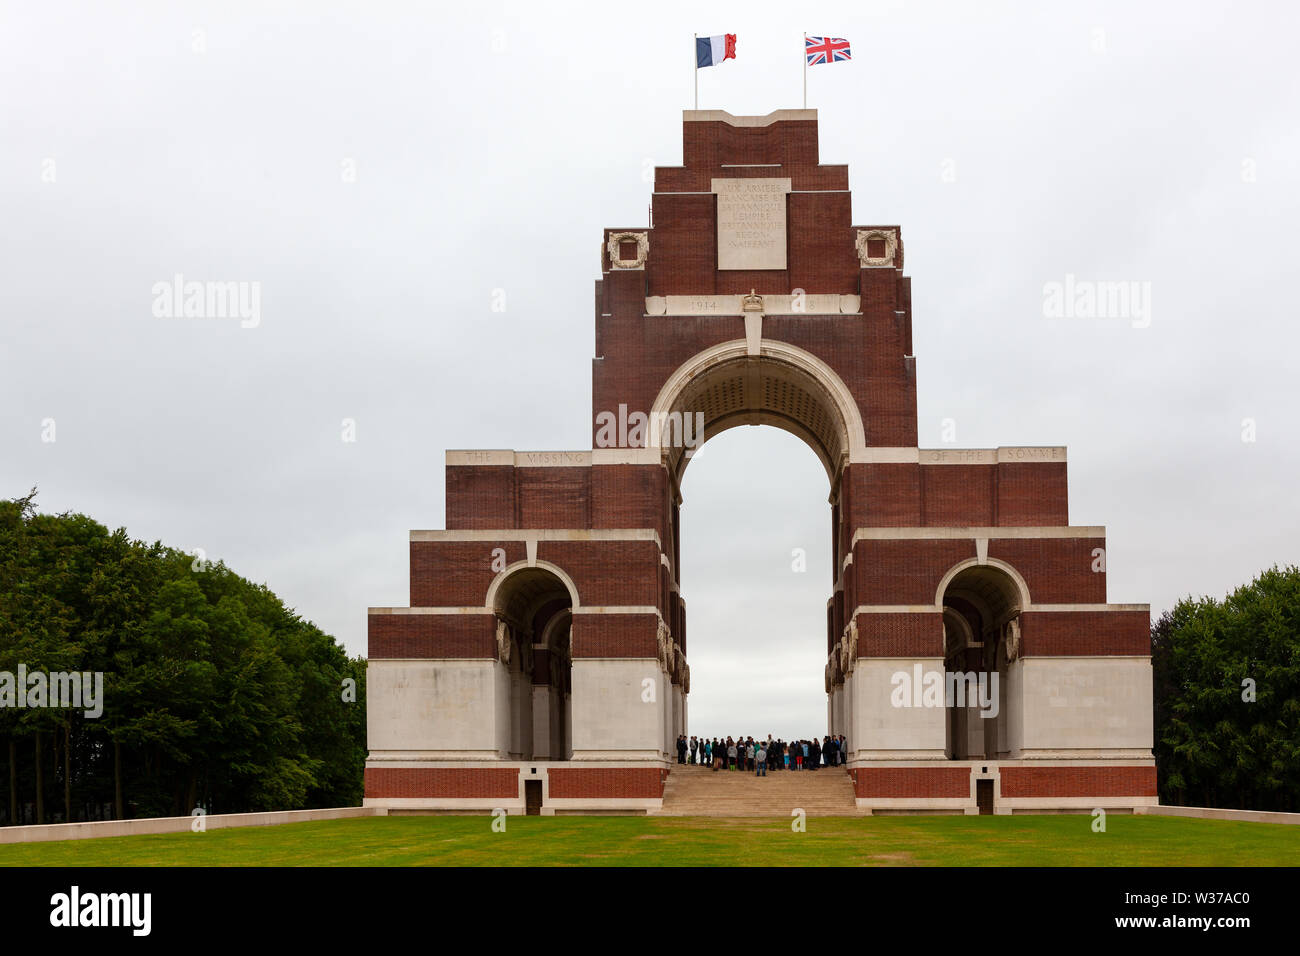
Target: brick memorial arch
<point>543,662</point>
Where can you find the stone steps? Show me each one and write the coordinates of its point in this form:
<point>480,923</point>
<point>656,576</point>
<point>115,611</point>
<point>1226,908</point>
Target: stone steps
<point>700,791</point>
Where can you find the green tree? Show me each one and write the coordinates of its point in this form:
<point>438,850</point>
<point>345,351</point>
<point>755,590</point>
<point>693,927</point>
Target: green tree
<point>1227,697</point>
<point>215,694</point>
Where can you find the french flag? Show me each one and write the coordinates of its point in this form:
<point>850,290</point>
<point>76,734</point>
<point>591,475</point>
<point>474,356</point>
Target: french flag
<point>710,51</point>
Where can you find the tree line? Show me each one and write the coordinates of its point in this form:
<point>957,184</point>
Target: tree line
<point>1227,697</point>
<point>215,695</point>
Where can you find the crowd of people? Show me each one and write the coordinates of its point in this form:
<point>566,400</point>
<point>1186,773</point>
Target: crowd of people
<point>760,756</point>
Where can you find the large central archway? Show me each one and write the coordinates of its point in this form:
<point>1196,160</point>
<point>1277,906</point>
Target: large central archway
<point>754,520</point>
<point>748,382</point>
<point>773,383</point>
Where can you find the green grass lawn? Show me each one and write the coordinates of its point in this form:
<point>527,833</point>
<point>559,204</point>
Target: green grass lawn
<point>1065,840</point>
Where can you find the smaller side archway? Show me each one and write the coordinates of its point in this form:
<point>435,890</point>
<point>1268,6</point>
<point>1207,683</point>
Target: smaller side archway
<point>533,604</point>
<point>981,604</point>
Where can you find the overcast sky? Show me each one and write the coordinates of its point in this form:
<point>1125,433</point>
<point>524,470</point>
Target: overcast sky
<point>382,169</point>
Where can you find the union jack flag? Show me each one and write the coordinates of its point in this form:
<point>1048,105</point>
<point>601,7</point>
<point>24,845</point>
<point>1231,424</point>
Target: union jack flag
<point>826,50</point>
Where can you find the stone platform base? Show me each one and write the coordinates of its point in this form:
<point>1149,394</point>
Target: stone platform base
<point>482,786</point>
<point>873,787</point>
<point>1003,786</point>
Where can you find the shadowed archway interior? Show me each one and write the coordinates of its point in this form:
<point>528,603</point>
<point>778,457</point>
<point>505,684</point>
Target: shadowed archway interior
<point>534,611</point>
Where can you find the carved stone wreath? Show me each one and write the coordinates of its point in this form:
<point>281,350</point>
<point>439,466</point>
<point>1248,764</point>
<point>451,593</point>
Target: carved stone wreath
<point>615,244</point>
<point>849,649</point>
<point>503,643</point>
<point>1013,639</point>
<point>661,641</point>
<point>890,237</point>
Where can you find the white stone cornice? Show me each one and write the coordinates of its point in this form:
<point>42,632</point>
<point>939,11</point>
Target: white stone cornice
<point>480,456</point>
<point>733,305</point>
<point>430,610</point>
<point>541,534</point>
<point>970,534</point>
<point>519,459</point>
<point>625,456</point>
<point>619,609</point>
<point>722,116</point>
<point>885,456</point>
<point>895,609</point>
<point>1057,608</point>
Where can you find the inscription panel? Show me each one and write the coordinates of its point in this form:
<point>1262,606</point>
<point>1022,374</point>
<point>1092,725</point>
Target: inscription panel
<point>751,223</point>
<point>802,304</point>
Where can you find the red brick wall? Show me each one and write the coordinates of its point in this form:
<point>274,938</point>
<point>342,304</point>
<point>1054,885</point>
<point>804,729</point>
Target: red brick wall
<point>431,635</point>
<point>1057,633</point>
<point>608,572</point>
<point>591,782</point>
<point>1057,570</point>
<point>883,496</point>
<point>466,782</point>
<point>1032,494</point>
<point>684,229</point>
<point>615,635</point>
<point>459,573</point>
<point>905,571</point>
<point>900,635</point>
<point>629,496</point>
<point>553,497</point>
<point>1078,781</point>
<point>480,497</point>
<point>957,495</point>
<point>711,144</point>
<point>456,573</point>
<point>884,782</point>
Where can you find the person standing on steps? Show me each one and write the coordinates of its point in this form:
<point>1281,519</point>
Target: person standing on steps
<point>695,746</point>
<point>731,754</point>
<point>749,754</point>
<point>761,757</point>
